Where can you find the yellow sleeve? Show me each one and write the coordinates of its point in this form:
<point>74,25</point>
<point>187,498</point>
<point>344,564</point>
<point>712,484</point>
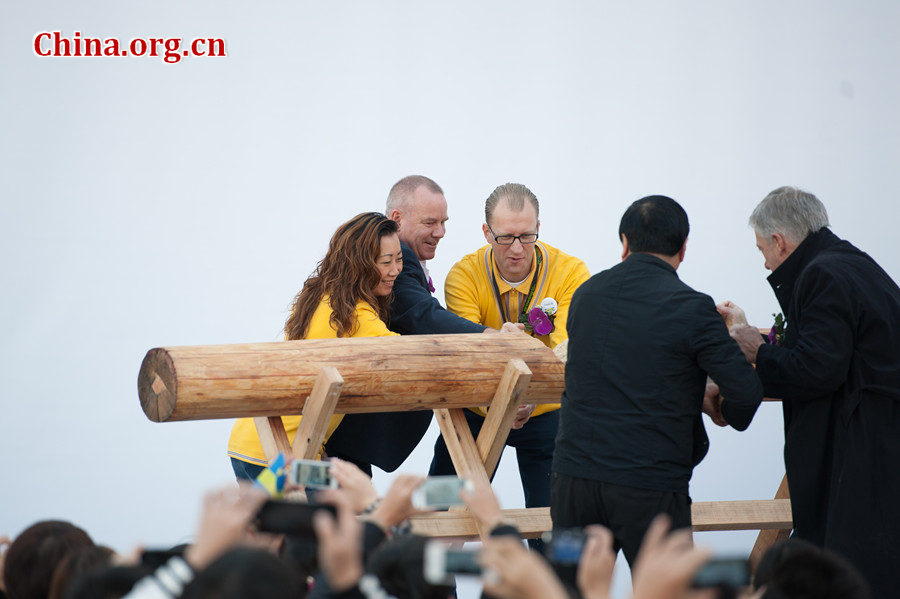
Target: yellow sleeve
<point>368,323</point>
<point>461,293</point>
<point>577,274</point>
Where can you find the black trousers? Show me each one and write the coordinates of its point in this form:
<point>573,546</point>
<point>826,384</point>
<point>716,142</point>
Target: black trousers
<point>626,511</point>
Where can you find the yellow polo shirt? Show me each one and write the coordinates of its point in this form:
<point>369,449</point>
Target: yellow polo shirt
<point>244,442</point>
<point>470,293</point>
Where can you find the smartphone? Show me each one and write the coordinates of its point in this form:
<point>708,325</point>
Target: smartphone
<point>313,474</point>
<point>439,492</point>
<point>289,517</point>
<point>154,558</point>
<point>564,545</point>
<point>730,572</point>
<point>441,563</point>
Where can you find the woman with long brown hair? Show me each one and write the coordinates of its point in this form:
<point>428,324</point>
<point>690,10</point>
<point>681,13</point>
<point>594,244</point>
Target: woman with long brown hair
<point>348,295</point>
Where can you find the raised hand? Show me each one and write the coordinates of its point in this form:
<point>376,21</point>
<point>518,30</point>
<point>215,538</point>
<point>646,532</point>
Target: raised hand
<point>355,483</point>
<point>483,504</point>
<point>396,506</point>
<point>340,541</point>
<point>225,517</point>
<point>595,569</point>
<point>666,564</point>
<point>512,572</point>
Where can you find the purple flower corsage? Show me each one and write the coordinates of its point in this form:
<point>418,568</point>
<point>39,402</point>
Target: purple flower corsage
<point>540,318</point>
<point>776,333</point>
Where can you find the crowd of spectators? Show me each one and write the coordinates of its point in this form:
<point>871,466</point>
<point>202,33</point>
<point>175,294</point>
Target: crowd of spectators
<point>366,550</point>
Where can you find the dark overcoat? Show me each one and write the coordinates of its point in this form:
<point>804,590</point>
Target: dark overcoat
<point>838,372</point>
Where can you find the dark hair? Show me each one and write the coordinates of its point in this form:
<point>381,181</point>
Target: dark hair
<point>245,573</point>
<point>301,554</point>
<point>347,274</point>
<point>799,570</point>
<point>399,565</point>
<point>107,583</point>
<point>774,556</point>
<point>655,225</point>
<point>34,555</point>
<point>77,563</point>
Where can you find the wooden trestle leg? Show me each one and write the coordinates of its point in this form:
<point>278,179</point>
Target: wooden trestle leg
<point>767,538</point>
<point>478,460</point>
<point>317,412</point>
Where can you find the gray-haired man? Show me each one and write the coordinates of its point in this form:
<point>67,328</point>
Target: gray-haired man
<point>837,368</point>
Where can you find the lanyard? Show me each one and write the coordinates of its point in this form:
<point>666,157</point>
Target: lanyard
<point>528,298</point>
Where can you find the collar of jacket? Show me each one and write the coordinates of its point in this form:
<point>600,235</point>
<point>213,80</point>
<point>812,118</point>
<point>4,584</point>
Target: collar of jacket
<point>411,261</point>
<point>642,258</point>
<point>783,278</point>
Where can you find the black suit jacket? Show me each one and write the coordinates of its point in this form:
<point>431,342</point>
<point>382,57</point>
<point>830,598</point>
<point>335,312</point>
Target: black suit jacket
<point>387,439</point>
<point>641,343</point>
<point>414,311</point>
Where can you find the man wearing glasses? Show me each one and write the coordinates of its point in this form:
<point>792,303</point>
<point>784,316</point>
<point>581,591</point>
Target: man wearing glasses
<point>516,278</point>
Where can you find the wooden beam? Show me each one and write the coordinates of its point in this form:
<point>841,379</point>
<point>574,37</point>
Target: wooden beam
<point>272,436</point>
<point>767,538</point>
<point>532,522</point>
<point>381,374</point>
<point>510,394</point>
<point>317,412</point>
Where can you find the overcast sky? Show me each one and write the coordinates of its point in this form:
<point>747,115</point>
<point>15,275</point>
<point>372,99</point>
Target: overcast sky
<point>147,204</point>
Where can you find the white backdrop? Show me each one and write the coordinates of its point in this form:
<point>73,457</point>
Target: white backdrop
<point>148,204</point>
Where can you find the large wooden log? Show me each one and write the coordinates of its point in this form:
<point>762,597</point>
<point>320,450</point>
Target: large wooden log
<point>416,372</point>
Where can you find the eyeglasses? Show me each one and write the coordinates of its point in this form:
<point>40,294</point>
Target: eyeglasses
<point>524,238</point>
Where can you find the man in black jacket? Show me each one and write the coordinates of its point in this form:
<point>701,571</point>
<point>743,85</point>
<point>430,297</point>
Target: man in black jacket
<point>417,204</point>
<point>837,370</point>
<point>641,344</point>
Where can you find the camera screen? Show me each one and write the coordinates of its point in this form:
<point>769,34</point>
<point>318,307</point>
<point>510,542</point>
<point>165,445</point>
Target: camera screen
<point>443,490</point>
<point>312,474</point>
<point>462,562</point>
<point>565,546</point>
<point>728,572</point>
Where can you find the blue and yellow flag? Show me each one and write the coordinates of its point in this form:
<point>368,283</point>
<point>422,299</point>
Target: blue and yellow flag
<point>272,478</point>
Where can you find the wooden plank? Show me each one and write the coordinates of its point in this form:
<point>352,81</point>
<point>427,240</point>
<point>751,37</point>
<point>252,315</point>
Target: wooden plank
<point>459,525</point>
<point>532,522</point>
<point>272,436</point>
<point>510,394</point>
<point>767,538</point>
<point>381,374</point>
<point>317,412</point>
<point>742,515</point>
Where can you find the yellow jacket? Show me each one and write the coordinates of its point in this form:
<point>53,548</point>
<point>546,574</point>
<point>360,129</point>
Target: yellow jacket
<point>244,442</point>
<point>470,293</point>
